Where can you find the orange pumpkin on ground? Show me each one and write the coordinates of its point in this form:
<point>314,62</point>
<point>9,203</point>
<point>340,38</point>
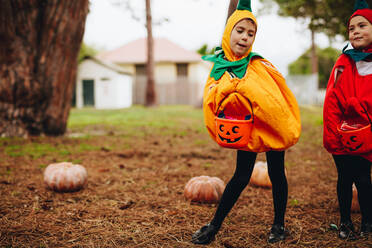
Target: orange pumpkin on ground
<point>65,177</point>
<point>355,203</point>
<point>204,189</point>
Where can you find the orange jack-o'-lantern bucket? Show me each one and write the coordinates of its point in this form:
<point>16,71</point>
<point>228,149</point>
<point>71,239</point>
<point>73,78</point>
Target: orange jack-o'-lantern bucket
<point>233,133</point>
<point>356,139</point>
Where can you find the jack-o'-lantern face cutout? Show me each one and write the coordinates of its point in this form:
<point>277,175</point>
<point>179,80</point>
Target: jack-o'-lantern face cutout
<point>229,133</point>
<point>356,141</point>
<point>233,133</point>
<point>351,142</point>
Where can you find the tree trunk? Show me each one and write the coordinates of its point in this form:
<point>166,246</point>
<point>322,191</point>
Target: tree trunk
<point>150,88</point>
<point>314,55</point>
<point>39,45</point>
<point>232,7</point>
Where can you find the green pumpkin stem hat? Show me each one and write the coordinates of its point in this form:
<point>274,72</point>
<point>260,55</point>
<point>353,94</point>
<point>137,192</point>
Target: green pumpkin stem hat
<point>361,8</point>
<point>360,4</point>
<point>244,5</point>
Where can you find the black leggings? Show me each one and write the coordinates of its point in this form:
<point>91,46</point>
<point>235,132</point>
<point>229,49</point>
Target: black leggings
<point>354,169</point>
<point>244,166</point>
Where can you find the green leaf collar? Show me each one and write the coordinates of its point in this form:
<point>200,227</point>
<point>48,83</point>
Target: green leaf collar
<point>221,65</point>
<point>356,55</point>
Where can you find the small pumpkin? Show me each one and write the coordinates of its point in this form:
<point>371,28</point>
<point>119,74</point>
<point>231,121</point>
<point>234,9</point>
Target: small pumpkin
<point>204,189</point>
<point>355,203</point>
<point>260,176</point>
<point>65,176</point>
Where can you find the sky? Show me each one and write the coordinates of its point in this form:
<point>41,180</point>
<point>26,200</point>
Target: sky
<point>192,23</point>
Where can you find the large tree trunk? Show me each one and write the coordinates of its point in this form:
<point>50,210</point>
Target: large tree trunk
<point>39,45</point>
<point>150,88</point>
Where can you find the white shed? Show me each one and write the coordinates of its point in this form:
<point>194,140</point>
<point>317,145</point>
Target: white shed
<point>180,74</point>
<point>102,85</point>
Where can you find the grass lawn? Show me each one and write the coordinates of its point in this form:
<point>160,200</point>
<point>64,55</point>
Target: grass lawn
<point>138,162</point>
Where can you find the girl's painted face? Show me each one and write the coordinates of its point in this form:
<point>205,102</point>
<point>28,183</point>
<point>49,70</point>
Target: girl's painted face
<point>360,32</point>
<point>242,37</point>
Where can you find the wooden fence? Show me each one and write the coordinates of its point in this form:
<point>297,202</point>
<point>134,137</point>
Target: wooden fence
<point>183,91</point>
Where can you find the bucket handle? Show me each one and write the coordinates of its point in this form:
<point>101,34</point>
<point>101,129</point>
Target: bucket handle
<point>365,111</point>
<point>250,104</point>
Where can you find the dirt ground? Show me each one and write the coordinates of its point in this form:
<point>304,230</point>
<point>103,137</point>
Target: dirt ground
<point>134,194</point>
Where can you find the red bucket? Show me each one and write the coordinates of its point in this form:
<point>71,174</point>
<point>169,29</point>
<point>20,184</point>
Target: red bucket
<point>356,140</point>
<point>232,133</point>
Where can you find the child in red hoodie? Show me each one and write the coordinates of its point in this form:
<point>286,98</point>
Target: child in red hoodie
<point>347,118</point>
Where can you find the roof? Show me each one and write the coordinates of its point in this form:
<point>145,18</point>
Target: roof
<point>135,52</point>
<point>108,65</point>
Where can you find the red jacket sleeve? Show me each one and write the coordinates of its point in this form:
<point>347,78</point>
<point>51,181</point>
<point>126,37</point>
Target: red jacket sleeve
<point>333,111</point>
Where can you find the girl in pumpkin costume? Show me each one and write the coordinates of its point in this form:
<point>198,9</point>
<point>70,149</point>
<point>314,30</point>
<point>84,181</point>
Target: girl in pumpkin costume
<point>347,121</point>
<point>247,106</point>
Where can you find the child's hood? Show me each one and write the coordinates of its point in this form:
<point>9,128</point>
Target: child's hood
<point>243,11</point>
<point>361,8</point>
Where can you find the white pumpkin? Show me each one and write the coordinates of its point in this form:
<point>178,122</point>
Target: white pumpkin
<point>260,176</point>
<point>355,203</point>
<point>65,176</point>
<point>204,189</point>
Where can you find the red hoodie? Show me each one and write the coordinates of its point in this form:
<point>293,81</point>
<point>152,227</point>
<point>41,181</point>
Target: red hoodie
<point>348,95</point>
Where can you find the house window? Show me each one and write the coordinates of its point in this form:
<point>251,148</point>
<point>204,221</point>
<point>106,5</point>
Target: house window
<point>140,70</point>
<point>182,70</point>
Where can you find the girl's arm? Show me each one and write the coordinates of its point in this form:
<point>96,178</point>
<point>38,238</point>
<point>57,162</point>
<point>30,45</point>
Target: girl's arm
<point>332,113</point>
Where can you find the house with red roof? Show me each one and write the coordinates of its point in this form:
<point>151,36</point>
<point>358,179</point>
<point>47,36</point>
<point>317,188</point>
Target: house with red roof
<point>180,74</point>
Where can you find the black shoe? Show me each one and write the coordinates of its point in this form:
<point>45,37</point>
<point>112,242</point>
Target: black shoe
<point>365,230</point>
<point>204,235</point>
<point>277,233</point>
<point>347,231</point>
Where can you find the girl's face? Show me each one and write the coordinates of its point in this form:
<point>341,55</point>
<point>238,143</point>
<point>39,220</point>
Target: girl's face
<point>242,37</point>
<point>360,32</point>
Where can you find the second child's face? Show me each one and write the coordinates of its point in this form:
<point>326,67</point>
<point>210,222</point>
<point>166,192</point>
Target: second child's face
<point>242,37</point>
<point>360,32</point>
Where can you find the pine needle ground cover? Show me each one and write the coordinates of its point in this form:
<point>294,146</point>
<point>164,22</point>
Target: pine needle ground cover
<point>138,162</point>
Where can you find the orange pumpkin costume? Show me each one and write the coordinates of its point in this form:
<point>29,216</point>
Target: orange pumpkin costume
<point>247,106</point>
<point>257,112</point>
